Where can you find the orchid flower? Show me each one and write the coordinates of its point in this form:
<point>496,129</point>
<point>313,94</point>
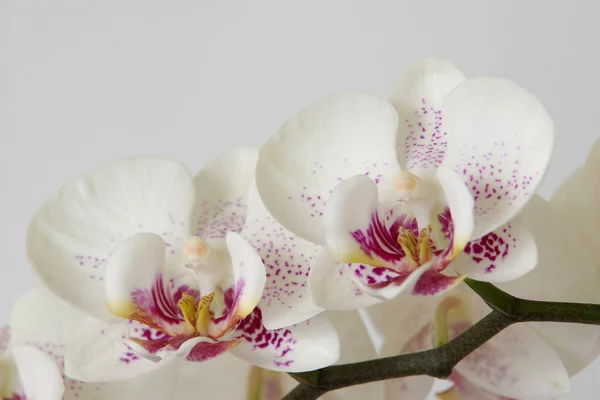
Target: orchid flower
<point>393,192</point>
<point>162,251</point>
<point>42,326</point>
<point>524,361</point>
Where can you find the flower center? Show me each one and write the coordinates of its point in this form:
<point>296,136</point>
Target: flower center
<point>197,316</point>
<point>204,261</point>
<point>418,250</point>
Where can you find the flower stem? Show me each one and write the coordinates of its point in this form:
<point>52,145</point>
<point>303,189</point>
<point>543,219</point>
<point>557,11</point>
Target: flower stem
<point>440,361</point>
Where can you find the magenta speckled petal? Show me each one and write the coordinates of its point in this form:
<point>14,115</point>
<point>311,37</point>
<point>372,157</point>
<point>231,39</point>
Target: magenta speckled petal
<point>502,255</point>
<point>306,346</point>
<point>334,138</point>
<point>288,259</point>
<point>332,286</point>
<point>204,351</point>
<point>73,233</point>
<point>222,193</point>
<point>418,98</point>
<point>499,139</point>
<point>42,320</point>
<point>516,363</point>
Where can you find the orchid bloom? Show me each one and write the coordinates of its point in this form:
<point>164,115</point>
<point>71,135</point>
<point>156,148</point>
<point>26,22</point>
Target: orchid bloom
<point>162,251</point>
<point>524,361</point>
<point>395,191</point>
<point>42,325</point>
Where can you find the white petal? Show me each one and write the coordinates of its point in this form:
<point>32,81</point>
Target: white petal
<point>576,199</point>
<point>502,255</point>
<point>355,342</point>
<point>10,381</point>
<point>351,207</point>
<point>402,319</point>
<point>221,377</point>
<point>499,139</point>
<point>156,385</point>
<point>222,192</point>
<point>337,137</point>
<point>74,232</point>
<point>414,334</point>
<point>355,346</point>
<point>418,98</point>
<point>42,319</point>
<point>226,377</point>
<point>248,273</point>
<point>140,286</point>
<point>463,389</point>
<point>358,229</point>
<point>286,299</point>
<point>306,346</point>
<point>516,363</point>
<point>96,352</point>
<point>460,204</point>
<point>566,271</point>
<point>40,375</point>
<point>333,289</point>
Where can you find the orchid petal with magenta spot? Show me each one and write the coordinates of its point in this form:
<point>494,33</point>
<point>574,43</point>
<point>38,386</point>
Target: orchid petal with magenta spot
<point>286,299</point>
<point>72,235</point>
<point>334,138</point>
<point>306,346</point>
<point>418,97</point>
<point>42,320</point>
<point>499,140</point>
<point>222,188</point>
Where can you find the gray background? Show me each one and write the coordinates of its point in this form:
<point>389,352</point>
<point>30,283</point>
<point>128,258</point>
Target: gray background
<point>83,83</point>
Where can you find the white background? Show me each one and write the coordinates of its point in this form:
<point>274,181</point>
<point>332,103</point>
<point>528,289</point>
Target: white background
<point>83,83</point>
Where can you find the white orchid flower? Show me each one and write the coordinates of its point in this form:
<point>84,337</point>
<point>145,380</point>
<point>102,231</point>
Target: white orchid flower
<point>524,361</point>
<point>41,325</point>
<point>32,366</point>
<point>395,191</point>
<point>161,249</point>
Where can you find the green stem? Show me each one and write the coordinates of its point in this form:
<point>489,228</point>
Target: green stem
<point>440,361</point>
